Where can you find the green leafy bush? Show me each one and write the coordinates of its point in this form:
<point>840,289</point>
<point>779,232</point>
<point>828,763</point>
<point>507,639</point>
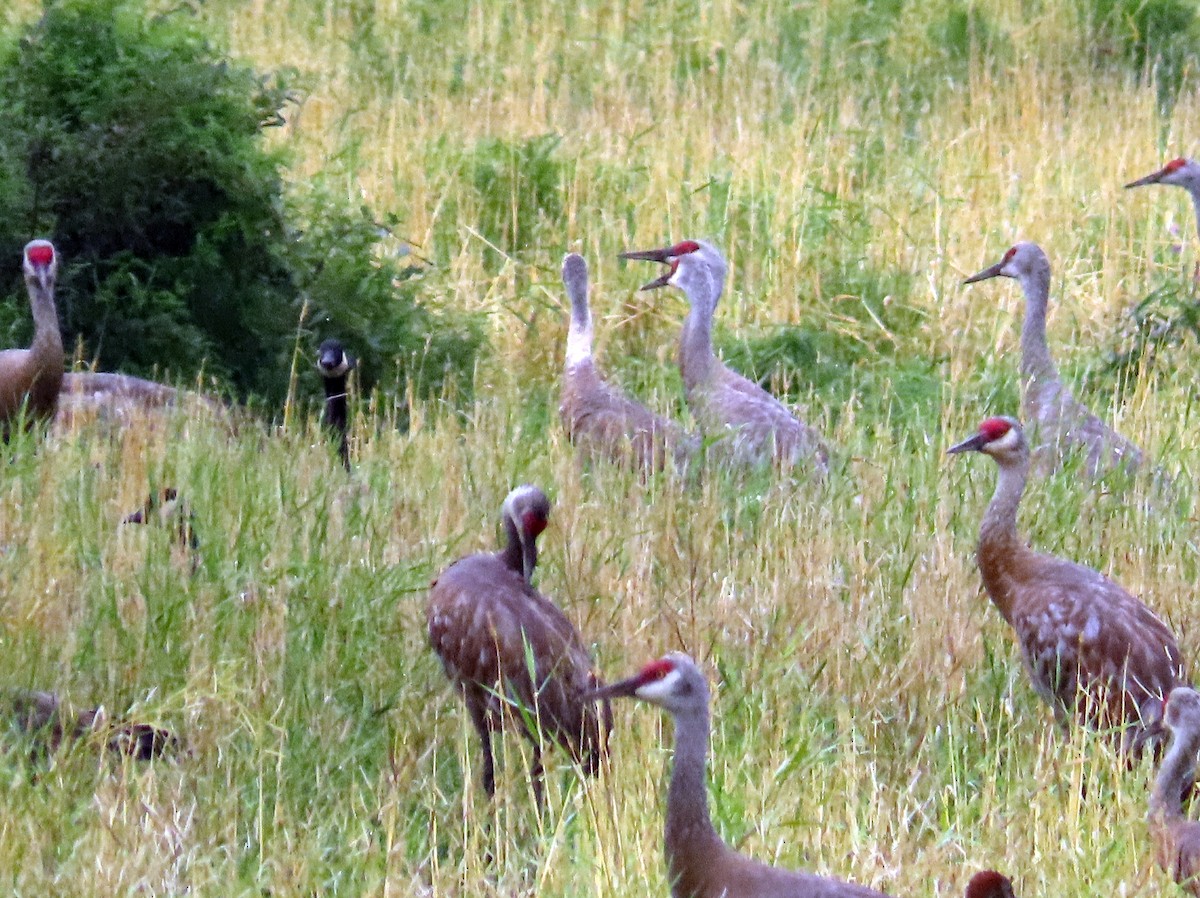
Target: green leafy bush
<point>137,147</point>
<point>143,161</point>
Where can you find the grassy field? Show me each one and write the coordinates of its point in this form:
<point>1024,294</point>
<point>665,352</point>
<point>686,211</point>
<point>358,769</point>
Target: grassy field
<point>871,722</point>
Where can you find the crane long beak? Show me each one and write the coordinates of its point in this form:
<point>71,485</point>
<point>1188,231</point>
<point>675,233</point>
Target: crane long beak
<point>992,271</point>
<point>648,255</point>
<point>658,281</point>
<point>653,255</point>
<point>1153,178</point>
<point>970,444</point>
<point>624,689</point>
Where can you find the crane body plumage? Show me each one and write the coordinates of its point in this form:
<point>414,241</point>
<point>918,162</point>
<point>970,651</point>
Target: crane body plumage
<point>599,418</point>
<point>513,654</point>
<point>728,407</point>
<point>1094,652</point>
<point>32,378</point>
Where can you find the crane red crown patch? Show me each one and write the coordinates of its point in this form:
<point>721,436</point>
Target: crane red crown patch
<point>682,249</point>
<point>534,523</point>
<point>994,428</point>
<point>42,254</point>
<point>1174,165</point>
<point>1008,255</point>
<point>656,670</point>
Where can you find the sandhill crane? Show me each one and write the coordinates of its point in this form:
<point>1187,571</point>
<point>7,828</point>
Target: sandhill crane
<point>699,863</point>
<point>31,378</point>
<point>989,884</point>
<point>42,717</point>
<point>1092,650</point>
<point>513,654</point>
<point>335,365</point>
<point>1176,838</point>
<point>724,403</point>
<point>598,417</point>
<point>1180,172</point>
<point>1059,419</point>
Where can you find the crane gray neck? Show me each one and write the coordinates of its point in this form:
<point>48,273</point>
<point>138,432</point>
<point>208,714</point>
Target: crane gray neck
<point>697,362</point>
<point>1000,519</point>
<point>1177,770</point>
<point>689,827</point>
<point>1036,364</point>
<point>579,334</point>
<point>46,333</point>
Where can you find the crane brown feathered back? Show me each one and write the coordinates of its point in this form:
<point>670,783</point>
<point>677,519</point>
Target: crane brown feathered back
<point>31,378</point>
<point>699,863</point>
<point>1060,421</point>
<point>727,406</point>
<point>599,418</point>
<point>514,655</point>
<point>1176,838</point>
<point>1093,651</point>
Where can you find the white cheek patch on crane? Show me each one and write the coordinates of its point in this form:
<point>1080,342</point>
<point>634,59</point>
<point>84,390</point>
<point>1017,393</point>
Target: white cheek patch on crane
<point>659,690</point>
<point>1008,441</point>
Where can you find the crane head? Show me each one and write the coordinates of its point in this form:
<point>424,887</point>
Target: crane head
<point>996,436</point>
<point>673,682</point>
<point>668,255</point>
<point>1179,172</point>
<point>528,511</point>
<point>1021,258</point>
<point>1183,708</point>
<point>41,264</point>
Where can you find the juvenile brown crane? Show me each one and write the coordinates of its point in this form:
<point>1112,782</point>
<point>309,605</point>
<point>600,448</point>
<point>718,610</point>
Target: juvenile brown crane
<point>512,653</point>
<point>1093,651</point>
<point>1180,172</point>
<point>335,365</point>
<point>31,378</point>
<point>725,404</point>
<point>1059,419</point>
<point>1176,838</point>
<point>699,863</point>
<point>600,418</point>
<point>989,884</point>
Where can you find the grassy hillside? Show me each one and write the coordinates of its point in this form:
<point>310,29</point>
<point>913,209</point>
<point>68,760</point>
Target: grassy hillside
<point>855,160</point>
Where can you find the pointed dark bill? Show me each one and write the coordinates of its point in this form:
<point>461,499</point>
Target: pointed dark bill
<point>625,688</point>
<point>992,271</point>
<point>648,255</point>
<point>662,255</point>
<point>1152,178</point>
<point>970,444</point>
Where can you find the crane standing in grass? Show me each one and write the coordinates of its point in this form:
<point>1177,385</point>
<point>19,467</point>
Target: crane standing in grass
<point>1059,418</point>
<point>511,652</point>
<point>598,417</point>
<point>699,863</point>
<point>726,405</point>
<point>1093,651</point>
<point>31,379</point>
